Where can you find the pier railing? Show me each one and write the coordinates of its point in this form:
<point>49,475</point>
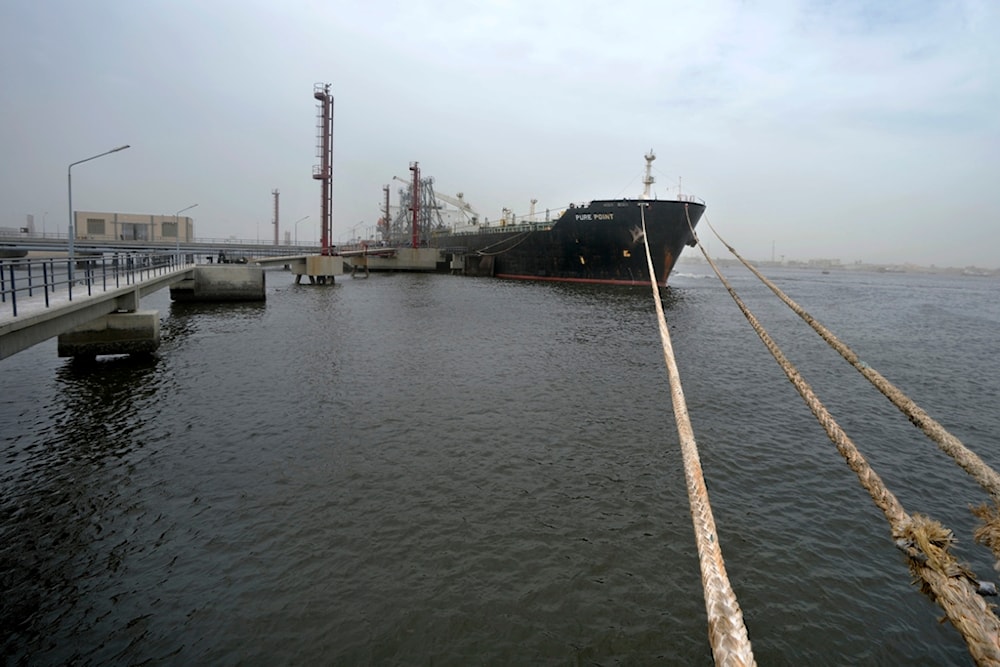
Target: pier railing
<point>45,280</point>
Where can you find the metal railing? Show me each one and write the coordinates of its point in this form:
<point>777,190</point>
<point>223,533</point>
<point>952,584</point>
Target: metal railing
<point>13,236</point>
<point>45,280</point>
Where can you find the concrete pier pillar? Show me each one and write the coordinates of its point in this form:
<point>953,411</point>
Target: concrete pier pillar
<point>359,264</point>
<point>116,333</point>
<point>401,259</point>
<point>322,269</point>
<point>223,282</point>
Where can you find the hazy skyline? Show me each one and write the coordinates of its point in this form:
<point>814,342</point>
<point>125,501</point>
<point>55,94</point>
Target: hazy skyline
<point>848,129</point>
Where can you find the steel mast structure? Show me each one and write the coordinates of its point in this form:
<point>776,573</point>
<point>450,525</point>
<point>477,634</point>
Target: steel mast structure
<point>275,193</point>
<point>648,180</point>
<point>415,204</point>
<point>385,222</point>
<point>418,216</point>
<point>324,170</point>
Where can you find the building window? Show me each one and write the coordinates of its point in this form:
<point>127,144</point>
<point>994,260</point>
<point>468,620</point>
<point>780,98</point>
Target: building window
<point>134,232</point>
<point>95,227</point>
<point>170,229</point>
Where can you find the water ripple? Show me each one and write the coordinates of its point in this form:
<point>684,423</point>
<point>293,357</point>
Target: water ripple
<point>427,469</point>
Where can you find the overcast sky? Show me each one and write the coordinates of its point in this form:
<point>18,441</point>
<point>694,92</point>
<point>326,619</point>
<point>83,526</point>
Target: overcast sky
<point>848,129</point>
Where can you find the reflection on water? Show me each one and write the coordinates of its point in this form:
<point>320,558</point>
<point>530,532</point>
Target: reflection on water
<point>102,404</point>
<point>71,475</point>
<point>417,468</point>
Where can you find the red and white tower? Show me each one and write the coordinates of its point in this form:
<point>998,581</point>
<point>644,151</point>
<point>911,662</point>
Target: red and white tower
<point>324,170</point>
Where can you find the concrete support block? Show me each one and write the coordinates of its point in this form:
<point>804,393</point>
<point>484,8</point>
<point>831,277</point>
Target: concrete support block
<point>324,265</point>
<point>322,269</point>
<point>404,259</point>
<point>182,290</point>
<point>297,266</point>
<point>129,301</point>
<point>116,333</point>
<point>223,282</point>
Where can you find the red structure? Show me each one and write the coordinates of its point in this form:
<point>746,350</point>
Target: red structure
<point>415,203</point>
<point>324,170</point>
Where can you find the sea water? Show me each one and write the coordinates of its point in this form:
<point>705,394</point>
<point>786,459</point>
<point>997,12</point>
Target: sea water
<point>429,469</point>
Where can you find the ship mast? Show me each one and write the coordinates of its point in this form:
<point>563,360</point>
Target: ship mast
<point>648,180</point>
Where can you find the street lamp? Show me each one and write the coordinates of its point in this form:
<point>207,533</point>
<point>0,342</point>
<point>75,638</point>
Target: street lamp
<point>69,191</point>
<point>354,236</point>
<point>296,223</point>
<point>177,230</point>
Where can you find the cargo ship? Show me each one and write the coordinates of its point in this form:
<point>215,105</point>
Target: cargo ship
<point>596,242</point>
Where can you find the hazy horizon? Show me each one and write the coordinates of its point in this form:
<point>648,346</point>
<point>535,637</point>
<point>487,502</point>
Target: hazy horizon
<point>849,130</point>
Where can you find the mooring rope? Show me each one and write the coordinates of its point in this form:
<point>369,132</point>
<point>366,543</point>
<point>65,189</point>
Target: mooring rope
<point>924,541</point>
<point>726,631</point>
<point>520,238</point>
<point>988,479</point>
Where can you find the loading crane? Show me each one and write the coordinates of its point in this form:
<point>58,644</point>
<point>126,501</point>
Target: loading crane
<point>418,215</point>
<point>458,201</point>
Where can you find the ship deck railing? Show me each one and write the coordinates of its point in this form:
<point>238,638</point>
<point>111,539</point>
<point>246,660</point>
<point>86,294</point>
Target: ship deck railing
<point>492,228</point>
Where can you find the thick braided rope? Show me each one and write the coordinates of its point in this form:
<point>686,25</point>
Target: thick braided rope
<point>520,238</point>
<point>727,633</point>
<point>925,542</point>
<point>968,460</point>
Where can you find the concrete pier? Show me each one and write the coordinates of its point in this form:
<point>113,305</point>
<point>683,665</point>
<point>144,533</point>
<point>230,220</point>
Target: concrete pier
<point>402,259</point>
<point>320,269</point>
<point>50,311</point>
<point>115,333</point>
<point>225,282</point>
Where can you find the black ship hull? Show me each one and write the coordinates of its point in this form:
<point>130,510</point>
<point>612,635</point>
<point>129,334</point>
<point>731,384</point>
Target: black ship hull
<point>600,242</point>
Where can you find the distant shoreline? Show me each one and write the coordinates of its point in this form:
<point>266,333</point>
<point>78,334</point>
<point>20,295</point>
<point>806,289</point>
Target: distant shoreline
<point>836,265</point>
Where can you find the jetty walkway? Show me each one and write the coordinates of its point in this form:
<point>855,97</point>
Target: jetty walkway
<point>91,302</point>
<point>46,297</point>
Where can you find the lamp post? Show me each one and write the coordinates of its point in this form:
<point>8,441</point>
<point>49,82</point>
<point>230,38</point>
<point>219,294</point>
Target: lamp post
<point>177,230</point>
<point>296,223</point>
<point>69,192</point>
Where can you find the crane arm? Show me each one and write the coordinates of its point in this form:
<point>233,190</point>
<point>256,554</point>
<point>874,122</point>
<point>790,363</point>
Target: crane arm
<point>457,202</point>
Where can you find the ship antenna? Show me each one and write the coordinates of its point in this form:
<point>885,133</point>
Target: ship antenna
<point>648,180</point>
